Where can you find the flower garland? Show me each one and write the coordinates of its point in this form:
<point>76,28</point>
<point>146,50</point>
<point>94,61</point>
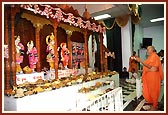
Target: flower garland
<point>57,13</point>
<point>109,28</point>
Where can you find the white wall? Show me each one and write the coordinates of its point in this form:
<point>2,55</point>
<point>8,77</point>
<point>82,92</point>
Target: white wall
<point>126,41</point>
<point>157,33</point>
<point>138,35</point>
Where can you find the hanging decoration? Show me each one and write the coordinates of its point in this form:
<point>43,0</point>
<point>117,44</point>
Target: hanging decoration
<point>136,12</point>
<point>109,28</point>
<point>122,20</point>
<point>6,52</point>
<point>57,13</point>
<point>111,54</point>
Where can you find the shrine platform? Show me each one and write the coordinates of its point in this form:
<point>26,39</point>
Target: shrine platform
<point>33,77</point>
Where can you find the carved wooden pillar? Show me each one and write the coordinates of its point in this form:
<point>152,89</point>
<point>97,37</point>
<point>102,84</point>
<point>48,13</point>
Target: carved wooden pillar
<point>69,33</point>
<point>86,51</point>
<point>105,60</point>
<point>13,48</point>
<point>7,60</point>
<point>106,63</point>
<point>101,52</point>
<point>38,26</point>
<point>55,23</point>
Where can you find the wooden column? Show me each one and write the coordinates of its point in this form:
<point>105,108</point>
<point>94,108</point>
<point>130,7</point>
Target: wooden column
<point>38,26</point>
<point>101,51</point>
<point>106,64</point>
<point>13,48</point>
<point>7,60</point>
<point>69,33</point>
<point>86,51</point>
<point>105,60</point>
<point>55,23</point>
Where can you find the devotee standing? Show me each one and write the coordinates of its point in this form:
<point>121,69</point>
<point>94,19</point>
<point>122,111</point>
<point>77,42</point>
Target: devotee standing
<point>132,77</point>
<point>133,63</point>
<point>124,74</point>
<point>151,77</point>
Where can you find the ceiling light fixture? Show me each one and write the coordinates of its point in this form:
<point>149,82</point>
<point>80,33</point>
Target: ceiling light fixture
<point>102,16</point>
<point>157,19</point>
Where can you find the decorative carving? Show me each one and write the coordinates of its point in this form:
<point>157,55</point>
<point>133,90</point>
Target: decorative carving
<point>72,28</point>
<point>59,15</point>
<point>86,14</point>
<point>38,25</point>
<point>69,32</point>
<point>38,22</point>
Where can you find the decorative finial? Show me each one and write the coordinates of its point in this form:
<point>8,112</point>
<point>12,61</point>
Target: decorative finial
<point>86,14</point>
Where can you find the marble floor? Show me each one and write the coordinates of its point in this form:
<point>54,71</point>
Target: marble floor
<point>132,103</point>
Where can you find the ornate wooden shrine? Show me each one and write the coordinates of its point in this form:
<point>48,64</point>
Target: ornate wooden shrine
<point>36,21</point>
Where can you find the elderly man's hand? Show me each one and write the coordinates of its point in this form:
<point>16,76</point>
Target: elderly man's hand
<point>138,59</point>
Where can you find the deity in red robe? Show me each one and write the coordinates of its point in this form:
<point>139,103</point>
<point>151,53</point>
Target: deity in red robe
<point>64,55</point>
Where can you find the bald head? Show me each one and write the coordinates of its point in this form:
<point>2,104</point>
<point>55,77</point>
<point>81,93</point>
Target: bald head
<point>150,49</point>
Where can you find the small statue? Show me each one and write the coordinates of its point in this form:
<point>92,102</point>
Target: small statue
<point>32,55</point>
<point>64,55</point>
<point>19,54</point>
<point>50,48</point>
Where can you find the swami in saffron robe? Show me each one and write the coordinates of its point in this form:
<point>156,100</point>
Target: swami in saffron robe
<point>151,79</point>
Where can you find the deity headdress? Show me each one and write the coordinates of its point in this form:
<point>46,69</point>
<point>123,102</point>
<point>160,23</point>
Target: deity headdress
<point>62,44</point>
<point>30,43</point>
<point>17,39</point>
<point>50,38</point>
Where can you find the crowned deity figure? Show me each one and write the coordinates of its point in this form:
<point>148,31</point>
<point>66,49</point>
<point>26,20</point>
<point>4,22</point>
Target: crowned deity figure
<point>64,55</point>
<point>19,54</point>
<point>50,49</point>
<point>32,55</point>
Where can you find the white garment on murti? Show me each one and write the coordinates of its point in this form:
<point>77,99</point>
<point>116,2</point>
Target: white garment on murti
<point>132,78</point>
